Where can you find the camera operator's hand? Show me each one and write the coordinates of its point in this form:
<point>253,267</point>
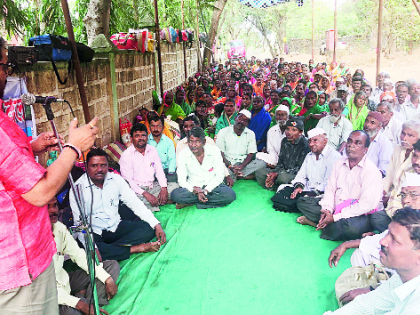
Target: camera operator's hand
<point>84,137</point>
<point>46,141</point>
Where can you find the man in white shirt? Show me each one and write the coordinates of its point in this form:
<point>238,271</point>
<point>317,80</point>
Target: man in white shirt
<point>200,175</point>
<point>78,282</point>
<point>391,125</point>
<point>115,238</point>
<point>274,137</point>
<point>238,146</point>
<point>336,126</point>
<point>400,251</point>
<point>411,108</point>
<point>380,148</point>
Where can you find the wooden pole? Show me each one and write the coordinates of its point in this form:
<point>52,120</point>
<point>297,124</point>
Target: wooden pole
<point>198,41</point>
<point>417,5</point>
<point>379,45</point>
<point>313,27</point>
<point>335,31</point>
<point>183,43</point>
<point>76,62</point>
<point>158,47</point>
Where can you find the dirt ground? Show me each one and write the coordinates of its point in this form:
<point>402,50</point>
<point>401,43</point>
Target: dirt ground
<point>400,66</point>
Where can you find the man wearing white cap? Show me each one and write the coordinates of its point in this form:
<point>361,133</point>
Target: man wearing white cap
<point>274,137</point>
<point>313,175</point>
<point>336,125</point>
<point>368,248</point>
<point>339,82</point>
<point>238,145</point>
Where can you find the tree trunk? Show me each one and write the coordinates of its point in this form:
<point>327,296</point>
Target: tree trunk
<point>217,12</point>
<point>97,19</point>
<point>269,46</point>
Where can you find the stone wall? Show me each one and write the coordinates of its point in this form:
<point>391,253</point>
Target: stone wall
<point>134,76</point>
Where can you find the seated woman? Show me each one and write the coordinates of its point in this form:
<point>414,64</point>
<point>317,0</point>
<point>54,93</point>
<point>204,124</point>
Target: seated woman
<point>260,122</point>
<point>170,108</point>
<point>358,110</point>
<point>311,111</point>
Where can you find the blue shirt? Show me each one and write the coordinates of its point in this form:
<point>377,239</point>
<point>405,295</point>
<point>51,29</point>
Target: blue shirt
<point>380,151</point>
<point>166,151</point>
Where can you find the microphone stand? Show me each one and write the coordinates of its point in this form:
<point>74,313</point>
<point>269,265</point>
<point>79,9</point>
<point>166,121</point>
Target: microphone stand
<point>84,227</point>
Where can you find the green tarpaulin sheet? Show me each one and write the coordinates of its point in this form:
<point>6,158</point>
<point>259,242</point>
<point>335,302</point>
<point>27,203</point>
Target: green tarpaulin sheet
<point>242,259</point>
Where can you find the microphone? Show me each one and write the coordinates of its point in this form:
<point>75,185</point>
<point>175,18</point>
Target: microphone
<point>30,99</point>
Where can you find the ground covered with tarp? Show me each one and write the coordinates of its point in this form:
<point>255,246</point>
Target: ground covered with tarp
<point>242,259</point>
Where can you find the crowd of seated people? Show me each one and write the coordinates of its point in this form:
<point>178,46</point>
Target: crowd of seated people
<point>333,147</point>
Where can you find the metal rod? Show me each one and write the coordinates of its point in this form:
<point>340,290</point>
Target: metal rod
<point>313,27</point>
<point>76,62</point>
<point>198,41</point>
<point>183,43</point>
<point>379,45</point>
<point>158,47</point>
<point>335,31</point>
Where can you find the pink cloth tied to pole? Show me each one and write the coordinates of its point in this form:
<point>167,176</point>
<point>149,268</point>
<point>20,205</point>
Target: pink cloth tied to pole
<point>348,203</point>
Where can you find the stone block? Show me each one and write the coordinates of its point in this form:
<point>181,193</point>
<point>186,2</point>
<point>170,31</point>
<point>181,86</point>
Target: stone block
<point>130,75</point>
<point>91,73</point>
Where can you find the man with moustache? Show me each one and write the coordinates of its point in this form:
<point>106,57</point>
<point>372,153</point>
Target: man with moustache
<point>27,246</point>
<point>238,146</point>
<point>400,251</point>
<point>391,125</point>
<point>336,125</point>
<point>140,165</point>
<point>380,148</point>
<point>200,175</point>
<point>78,281</point>
<point>102,192</point>
<point>294,148</point>
<point>412,107</point>
<point>400,162</point>
<point>309,183</point>
<point>351,196</point>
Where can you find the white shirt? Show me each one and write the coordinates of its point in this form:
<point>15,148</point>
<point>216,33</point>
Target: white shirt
<point>393,131</point>
<point>274,138</point>
<point>236,148</point>
<point>393,297</point>
<point>209,174</point>
<point>66,245</point>
<point>408,110</point>
<point>105,214</point>
<point>380,151</point>
<point>314,173</point>
<point>336,134</point>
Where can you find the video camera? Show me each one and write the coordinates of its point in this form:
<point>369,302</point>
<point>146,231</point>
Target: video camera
<point>22,56</point>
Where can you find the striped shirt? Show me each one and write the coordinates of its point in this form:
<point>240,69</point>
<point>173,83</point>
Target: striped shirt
<point>391,298</point>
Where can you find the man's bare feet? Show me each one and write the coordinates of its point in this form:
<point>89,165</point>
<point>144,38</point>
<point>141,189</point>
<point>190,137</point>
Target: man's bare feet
<point>305,221</point>
<point>182,205</point>
<point>145,248</point>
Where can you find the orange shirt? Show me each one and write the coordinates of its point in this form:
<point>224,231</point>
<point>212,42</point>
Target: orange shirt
<point>258,90</point>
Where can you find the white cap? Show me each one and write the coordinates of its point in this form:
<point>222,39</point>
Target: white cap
<point>246,112</point>
<point>411,179</point>
<point>283,108</point>
<point>315,132</point>
<point>388,97</point>
<point>340,79</point>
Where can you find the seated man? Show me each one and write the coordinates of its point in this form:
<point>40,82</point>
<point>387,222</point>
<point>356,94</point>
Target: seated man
<point>189,123</point>
<point>351,195</point>
<point>78,282</point>
<point>380,148</point>
<point>116,239</point>
<point>238,146</point>
<point>391,125</point>
<point>400,162</point>
<point>309,183</point>
<point>228,116</point>
<point>274,137</point>
<point>140,165</point>
<point>164,146</point>
<point>336,125</point>
<point>400,251</point>
<point>200,175</point>
<point>293,150</point>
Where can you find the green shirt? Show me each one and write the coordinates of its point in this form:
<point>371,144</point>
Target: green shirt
<point>224,121</point>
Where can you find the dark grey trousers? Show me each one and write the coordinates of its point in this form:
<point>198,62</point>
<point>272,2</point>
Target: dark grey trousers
<point>344,229</point>
<point>80,280</point>
<point>221,196</point>
<point>282,178</point>
<point>173,178</point>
